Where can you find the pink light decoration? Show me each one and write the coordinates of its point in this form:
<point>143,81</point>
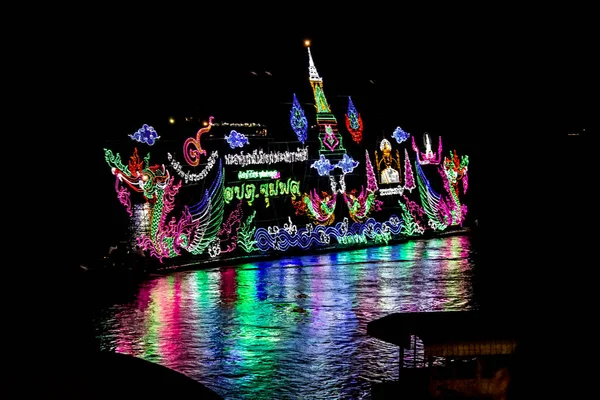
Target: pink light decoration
<point>232,223</point>
<point>371,179</point>
<point>429,157</point>
<point>124,197</point>
<point>465,182</point>
<point>192,155</point>
<point>409,178</point>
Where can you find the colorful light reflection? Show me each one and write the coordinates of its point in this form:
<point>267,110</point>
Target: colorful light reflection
<point>290,328</point>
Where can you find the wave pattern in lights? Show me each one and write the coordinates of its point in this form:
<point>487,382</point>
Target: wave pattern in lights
<point>275,238</point>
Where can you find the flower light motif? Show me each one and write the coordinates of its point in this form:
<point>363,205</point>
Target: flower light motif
<point>236,139</point>
<point>347,164</point>
<point>146,134</point>
<point>400,135</point>
<point>323,166</point>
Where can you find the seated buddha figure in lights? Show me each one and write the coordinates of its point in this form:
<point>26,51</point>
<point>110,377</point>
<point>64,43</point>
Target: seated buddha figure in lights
<point>387,174</point>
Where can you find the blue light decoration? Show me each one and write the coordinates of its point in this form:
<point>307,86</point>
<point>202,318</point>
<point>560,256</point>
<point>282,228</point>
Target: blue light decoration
<point>236,139</point>
<point>298,120</point>
<point>347,164</point>
<point>146,134</point>
<point>400,135</point>
<point>323,166</point>
<point>352,115</point>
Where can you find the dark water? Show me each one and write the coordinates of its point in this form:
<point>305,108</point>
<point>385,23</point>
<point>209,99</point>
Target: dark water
<point>292,328</point>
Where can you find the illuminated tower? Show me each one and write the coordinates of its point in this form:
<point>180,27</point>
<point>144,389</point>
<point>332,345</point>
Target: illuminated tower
<point>332,154</point>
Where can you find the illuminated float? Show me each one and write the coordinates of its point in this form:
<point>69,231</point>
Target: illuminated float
<point>229,189</point>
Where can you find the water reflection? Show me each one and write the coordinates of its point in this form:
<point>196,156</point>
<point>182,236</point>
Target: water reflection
<point>291,328</point>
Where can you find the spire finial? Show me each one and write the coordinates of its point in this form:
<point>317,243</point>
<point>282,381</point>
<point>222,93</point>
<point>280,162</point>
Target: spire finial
<point>313,75</point>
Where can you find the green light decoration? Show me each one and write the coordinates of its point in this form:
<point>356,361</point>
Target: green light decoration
<point>246,240</point>
<point>409,226</point>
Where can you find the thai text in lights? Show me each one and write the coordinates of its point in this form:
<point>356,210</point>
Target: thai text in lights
<point>249,191</point>
<point>251,174</point>
<point>260,157</point>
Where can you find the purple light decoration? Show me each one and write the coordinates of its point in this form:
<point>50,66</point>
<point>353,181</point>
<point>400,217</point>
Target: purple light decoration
<point>236,139</point>
<point>146,134</point>
<point>400,135</point>
<point>347,164</point>
<point>322,165</point>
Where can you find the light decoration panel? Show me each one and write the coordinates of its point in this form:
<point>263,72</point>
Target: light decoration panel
<point>139,175</point>
<point>248,192</point>
<point>429,157</point>
<point>354,122</point>
<point>323,166</point>
<point>319,208</point>
<point>227,236</point>
<point>282,239</point>
<point>162,242</point>
<point>251,174</point>
<point>260,157</point>
<point>146,134</point>
<point>334,185</point>
<point>371,179</point>
<point>434,206</point>
<point>193,232</point>
<point>409,179</point>
<point>192,149</point>
<point>206,216</point>
<point>245,238</point>
<point>346,164</point>
<point>330,139</point>
<point>298,120</point>
<point>236,139</point>
<point>188,176</point>
<point>361,206</point>
<point>400,135</point>
<point>453,171</point>
<point>387,174</point>
<point>410,226</point>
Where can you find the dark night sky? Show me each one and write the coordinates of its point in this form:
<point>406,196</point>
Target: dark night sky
<point>469,81</point>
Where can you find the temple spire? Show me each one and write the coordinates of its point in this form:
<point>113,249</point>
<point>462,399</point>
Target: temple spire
<point>313,75</point>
